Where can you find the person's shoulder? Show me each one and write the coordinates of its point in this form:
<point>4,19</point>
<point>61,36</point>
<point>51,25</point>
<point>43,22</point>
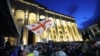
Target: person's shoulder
<point>30,54</point>
<point>62,53</point>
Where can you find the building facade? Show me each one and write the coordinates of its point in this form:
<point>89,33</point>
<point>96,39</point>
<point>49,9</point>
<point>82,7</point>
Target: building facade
<point>92,33</point>
<point>25,13</point>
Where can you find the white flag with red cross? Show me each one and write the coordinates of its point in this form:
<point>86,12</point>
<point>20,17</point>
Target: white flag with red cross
<point>40,27</point>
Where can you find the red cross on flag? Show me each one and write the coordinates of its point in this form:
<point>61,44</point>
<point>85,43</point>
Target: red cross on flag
<point>40,27</point>
<point>48,23</point>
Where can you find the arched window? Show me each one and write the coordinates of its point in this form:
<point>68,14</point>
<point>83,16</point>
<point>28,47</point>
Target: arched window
<point>32,18</point>
<point>19,16</point>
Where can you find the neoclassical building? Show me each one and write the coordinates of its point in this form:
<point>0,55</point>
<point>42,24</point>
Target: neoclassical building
<point>92,33</point>
<point>25,13</point>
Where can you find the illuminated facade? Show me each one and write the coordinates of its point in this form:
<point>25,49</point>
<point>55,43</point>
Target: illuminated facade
<point>25,13</point>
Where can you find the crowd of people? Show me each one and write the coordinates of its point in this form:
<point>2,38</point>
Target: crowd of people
<point>51,49</point>
<point>63,49</point>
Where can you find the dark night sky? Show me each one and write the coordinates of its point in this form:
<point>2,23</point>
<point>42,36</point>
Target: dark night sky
<point>85,12</point>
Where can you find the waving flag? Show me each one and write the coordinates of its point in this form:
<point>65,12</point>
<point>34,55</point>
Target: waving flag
<point>36,28</point>
<point>48,23</point>
<point>40,27</point>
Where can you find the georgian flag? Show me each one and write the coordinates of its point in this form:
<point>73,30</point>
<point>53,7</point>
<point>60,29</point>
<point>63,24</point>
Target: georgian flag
<point>36,28</point>
<point>40,27</point>
<point>48,23</point>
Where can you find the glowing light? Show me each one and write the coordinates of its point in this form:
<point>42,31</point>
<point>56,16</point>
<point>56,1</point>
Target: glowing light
<point>42,17</point>
<point>13,10</point>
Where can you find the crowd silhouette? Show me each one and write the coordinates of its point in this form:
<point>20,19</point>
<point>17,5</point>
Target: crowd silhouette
<point>50,49</point>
